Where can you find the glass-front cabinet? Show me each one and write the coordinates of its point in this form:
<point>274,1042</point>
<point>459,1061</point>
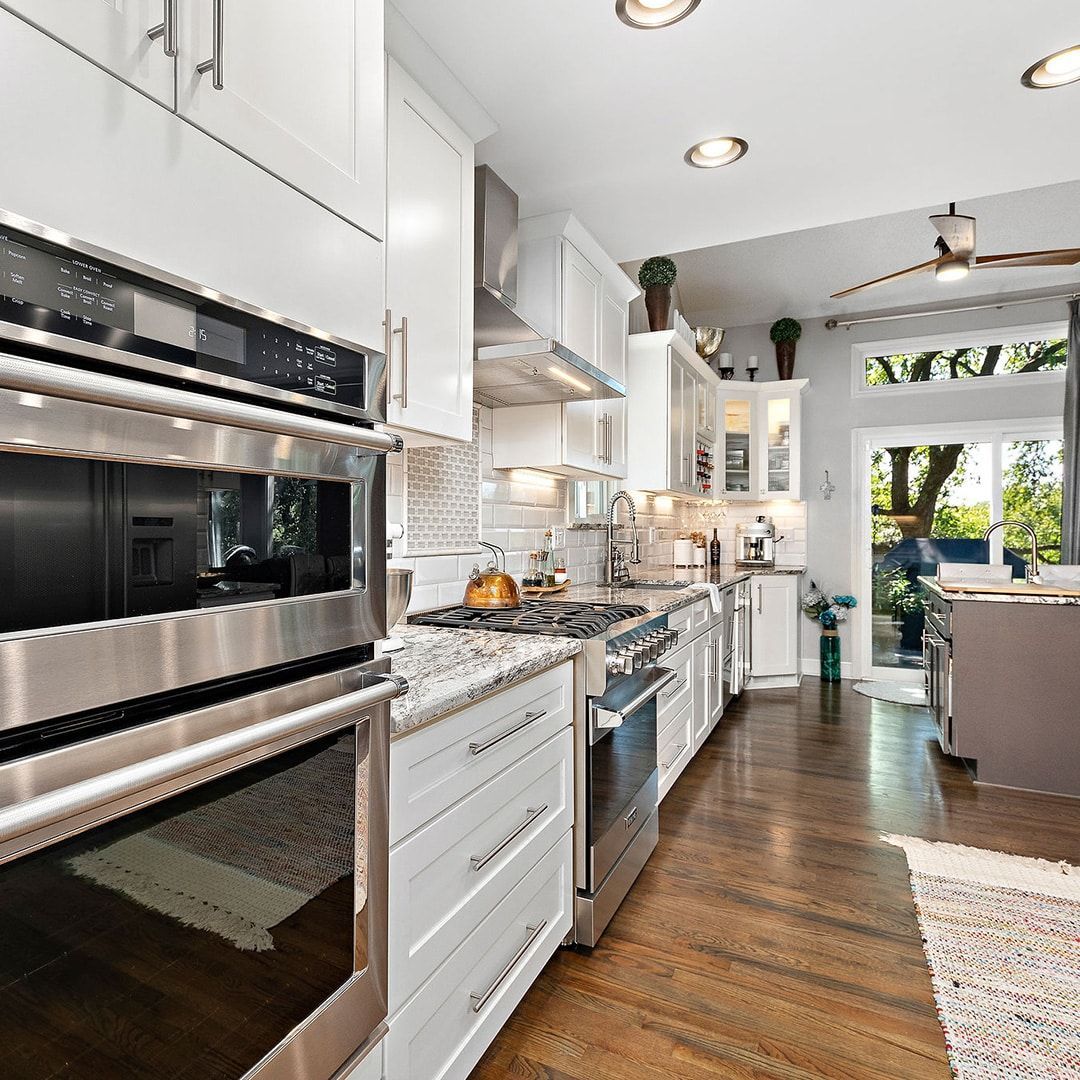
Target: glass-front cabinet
<point>760,440</point>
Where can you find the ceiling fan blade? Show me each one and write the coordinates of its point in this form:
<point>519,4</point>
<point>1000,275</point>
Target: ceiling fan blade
<point>1056,257</point>
<point>958,232</point>
<point>909,272</point>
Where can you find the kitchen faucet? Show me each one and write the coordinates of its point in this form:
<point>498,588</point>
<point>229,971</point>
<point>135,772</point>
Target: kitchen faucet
<point>616,571</point>
<point>1033,566</point>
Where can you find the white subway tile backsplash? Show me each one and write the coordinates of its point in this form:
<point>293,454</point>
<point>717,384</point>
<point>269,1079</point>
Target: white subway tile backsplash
<point>508,516</point>
<point>436,569</point>
<point>424,597</point>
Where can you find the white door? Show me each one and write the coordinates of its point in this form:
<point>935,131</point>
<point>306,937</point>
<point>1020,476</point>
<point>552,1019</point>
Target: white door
<point>582,287</point>
<point>584,436</point>
<point>113,34</point>
<point>778,446</point>
<point>297,88</point>
<point>774,627</point>
<point>429,264</point>
<point>702,668</point>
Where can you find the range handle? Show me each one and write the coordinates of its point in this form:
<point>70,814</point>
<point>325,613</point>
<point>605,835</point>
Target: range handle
<point>54,807</point>
<point>614,710</point>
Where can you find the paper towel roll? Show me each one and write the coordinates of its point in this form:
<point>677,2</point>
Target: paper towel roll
<point>699,556</point>
<point>684,552</point>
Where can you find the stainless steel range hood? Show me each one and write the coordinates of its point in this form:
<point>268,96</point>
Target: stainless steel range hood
<point>514,363</point>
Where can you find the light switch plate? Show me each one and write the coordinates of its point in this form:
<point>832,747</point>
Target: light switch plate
<point>558,537</point>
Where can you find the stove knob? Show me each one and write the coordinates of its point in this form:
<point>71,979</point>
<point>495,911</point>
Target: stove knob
<point>640,653</point>
<point>620,663</point>
<point>653,645</point>
<point>673,637</point>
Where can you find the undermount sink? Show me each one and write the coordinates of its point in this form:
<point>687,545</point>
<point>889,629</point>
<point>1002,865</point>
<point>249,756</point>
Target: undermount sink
<point>674,586</point>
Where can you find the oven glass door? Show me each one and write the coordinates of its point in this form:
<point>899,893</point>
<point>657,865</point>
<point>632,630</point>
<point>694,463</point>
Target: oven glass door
<point>189,937</point>
<point>621,773</point>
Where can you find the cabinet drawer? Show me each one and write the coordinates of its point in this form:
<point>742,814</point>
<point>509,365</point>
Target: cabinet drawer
<point>435,766</point>
<point>673,698</point>
<point>691,620</point>
<point>676,749</point>
<point>700,616</point>
<point>442,1032</point>
<point>446,878</point>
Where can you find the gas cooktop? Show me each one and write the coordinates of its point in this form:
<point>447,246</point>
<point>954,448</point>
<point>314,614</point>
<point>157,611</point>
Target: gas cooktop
<point>557,618</point>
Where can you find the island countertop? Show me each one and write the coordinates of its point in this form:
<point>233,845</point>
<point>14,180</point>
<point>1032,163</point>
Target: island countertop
<point>1026,594</point>
<point>447,669</point>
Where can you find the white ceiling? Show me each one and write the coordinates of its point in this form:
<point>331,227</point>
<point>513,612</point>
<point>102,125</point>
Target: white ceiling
<point>759,280</point>
<point>852,109</point>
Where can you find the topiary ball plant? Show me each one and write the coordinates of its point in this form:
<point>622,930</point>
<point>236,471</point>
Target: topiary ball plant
<point>785,330</point>
<point>659,270</point>
<point>656,277</point>
<point>785,333</point>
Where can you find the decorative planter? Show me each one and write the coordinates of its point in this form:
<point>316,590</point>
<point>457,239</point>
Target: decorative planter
<point>658,305</point>
<point>830,655</point>
<point>785,359</point>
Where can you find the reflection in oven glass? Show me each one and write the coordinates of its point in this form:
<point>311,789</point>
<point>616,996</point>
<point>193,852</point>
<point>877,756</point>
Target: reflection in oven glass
<point>189,938</point>
<point>87,540</point>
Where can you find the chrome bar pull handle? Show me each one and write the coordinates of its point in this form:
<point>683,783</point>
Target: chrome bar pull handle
<point>216,63</point>
<point>403,330</point>
<point>666,765</point>
<point>759,600</point>
<point>480,1000</point>
<point>166,29</point>
<point>531,814</point>
<point>529,718</point>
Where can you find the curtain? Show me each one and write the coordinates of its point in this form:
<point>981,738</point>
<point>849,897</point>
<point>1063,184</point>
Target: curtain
<point>1070,506</point>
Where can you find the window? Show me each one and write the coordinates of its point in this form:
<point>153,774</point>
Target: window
<point>955,360</point>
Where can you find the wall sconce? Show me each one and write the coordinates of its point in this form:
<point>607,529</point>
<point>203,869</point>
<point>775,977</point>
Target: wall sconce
<point>827,487</point>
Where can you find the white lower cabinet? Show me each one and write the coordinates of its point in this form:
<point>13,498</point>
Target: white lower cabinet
<point>675,748</point>
<point>774,629</point>
<point>705,695</point>
<point>481,871</point>
<point>370,1067</point>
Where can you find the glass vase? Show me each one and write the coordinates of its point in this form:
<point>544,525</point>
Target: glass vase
<point>830,656</point>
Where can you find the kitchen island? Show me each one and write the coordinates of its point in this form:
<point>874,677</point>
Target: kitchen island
<point>1005,684</point>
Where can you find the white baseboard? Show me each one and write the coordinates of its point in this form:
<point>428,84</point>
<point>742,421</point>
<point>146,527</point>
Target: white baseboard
<point>811,668</point>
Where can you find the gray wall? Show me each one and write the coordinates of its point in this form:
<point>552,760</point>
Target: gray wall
<point>831,413</point>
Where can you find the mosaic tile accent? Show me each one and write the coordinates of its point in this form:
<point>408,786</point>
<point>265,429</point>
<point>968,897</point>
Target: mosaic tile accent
<point>442,497</point>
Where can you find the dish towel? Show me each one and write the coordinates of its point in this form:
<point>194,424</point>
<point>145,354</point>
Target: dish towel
<point>714,594</point>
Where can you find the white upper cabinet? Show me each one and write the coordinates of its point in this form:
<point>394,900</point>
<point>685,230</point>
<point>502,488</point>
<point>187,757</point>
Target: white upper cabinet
<point>569,288</point>
<point>665,383</point>
<point>429,264</point>
<point>298,89</point>
<point>760,440</point>
<point>114,34</point>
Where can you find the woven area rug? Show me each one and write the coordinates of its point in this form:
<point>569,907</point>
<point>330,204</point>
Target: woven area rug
<point>241,864</point>
<point>1002,940</point>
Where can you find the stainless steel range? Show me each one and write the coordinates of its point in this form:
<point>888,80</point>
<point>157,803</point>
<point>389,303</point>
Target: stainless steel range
<point>615,737</point>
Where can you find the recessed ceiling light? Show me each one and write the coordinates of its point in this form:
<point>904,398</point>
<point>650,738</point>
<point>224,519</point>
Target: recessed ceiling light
<point>712,153</point>
<point>952,270</point>
<point>1055,70</point>
<point>653,14</point>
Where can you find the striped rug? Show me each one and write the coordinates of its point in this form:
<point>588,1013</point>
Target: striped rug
<point>1002,940</point>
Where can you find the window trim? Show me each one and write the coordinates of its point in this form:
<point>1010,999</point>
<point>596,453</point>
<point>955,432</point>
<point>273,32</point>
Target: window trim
<point>1000,335</point>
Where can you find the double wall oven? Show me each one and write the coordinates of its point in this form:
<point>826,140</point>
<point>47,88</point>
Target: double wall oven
<point>193,728</point>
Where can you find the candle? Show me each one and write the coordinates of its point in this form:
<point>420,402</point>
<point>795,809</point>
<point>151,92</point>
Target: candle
<point>727,362</point>
<point>751,363</point>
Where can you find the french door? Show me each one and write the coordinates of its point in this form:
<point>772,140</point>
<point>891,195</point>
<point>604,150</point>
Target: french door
<point>927,495</point>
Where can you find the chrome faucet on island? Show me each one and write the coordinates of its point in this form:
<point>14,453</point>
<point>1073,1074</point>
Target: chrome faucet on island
<point>616,572</point>
<point>1032,574</point>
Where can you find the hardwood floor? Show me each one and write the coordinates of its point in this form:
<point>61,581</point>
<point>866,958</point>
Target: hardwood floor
<point>772,935</point>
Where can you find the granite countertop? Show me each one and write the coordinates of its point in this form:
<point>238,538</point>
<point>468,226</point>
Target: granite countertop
<point>447,669</point>
<point>1030,594</point>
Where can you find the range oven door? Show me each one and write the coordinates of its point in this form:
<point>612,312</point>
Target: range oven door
<point>153,538</point>
<point>937,666</point>
<point>203,895</point>
<point>621,773</point>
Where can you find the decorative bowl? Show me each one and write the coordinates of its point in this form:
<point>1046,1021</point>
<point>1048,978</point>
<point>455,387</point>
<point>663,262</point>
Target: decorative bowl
<point>709,340</point>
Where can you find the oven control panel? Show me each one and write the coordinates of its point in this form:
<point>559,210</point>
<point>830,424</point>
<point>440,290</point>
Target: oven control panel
<point>630,656</point>
<point>50,288</point>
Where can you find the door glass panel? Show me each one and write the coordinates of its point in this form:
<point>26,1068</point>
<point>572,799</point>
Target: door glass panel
<point>1031,491</point>
<point>189,938</point>
<point>930,504</point>
<point>84,540</point>
<point>736,445</point>
<point>779,449</point>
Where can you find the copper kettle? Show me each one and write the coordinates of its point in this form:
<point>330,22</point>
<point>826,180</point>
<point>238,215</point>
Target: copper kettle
<point>491,588</point>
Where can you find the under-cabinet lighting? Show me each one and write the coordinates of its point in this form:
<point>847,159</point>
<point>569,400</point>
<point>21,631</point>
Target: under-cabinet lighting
<point>568,379</point>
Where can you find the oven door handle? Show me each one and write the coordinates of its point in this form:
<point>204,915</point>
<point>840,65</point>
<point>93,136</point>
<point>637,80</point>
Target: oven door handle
<point>603,718</point>
<point>86,796</point>
<point>37,377</point>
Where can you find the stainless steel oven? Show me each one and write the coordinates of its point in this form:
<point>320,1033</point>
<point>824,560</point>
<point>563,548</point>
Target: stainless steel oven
<point>193,730</point>
<point>204,894</point>
<point>937,668</point>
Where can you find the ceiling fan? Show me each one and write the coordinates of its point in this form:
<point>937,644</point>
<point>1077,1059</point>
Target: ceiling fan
<point>956,256</point>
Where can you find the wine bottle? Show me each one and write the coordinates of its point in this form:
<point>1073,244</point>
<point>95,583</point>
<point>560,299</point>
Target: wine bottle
<point>714,550</point>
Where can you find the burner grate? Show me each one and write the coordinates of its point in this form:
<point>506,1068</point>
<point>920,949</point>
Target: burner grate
<point>556,618</point>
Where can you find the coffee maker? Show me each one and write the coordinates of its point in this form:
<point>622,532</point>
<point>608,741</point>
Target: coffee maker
<point>755,543</point>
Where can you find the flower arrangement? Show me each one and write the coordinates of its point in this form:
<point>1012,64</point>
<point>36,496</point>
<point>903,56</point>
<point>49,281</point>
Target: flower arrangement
<point>825,609</point>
